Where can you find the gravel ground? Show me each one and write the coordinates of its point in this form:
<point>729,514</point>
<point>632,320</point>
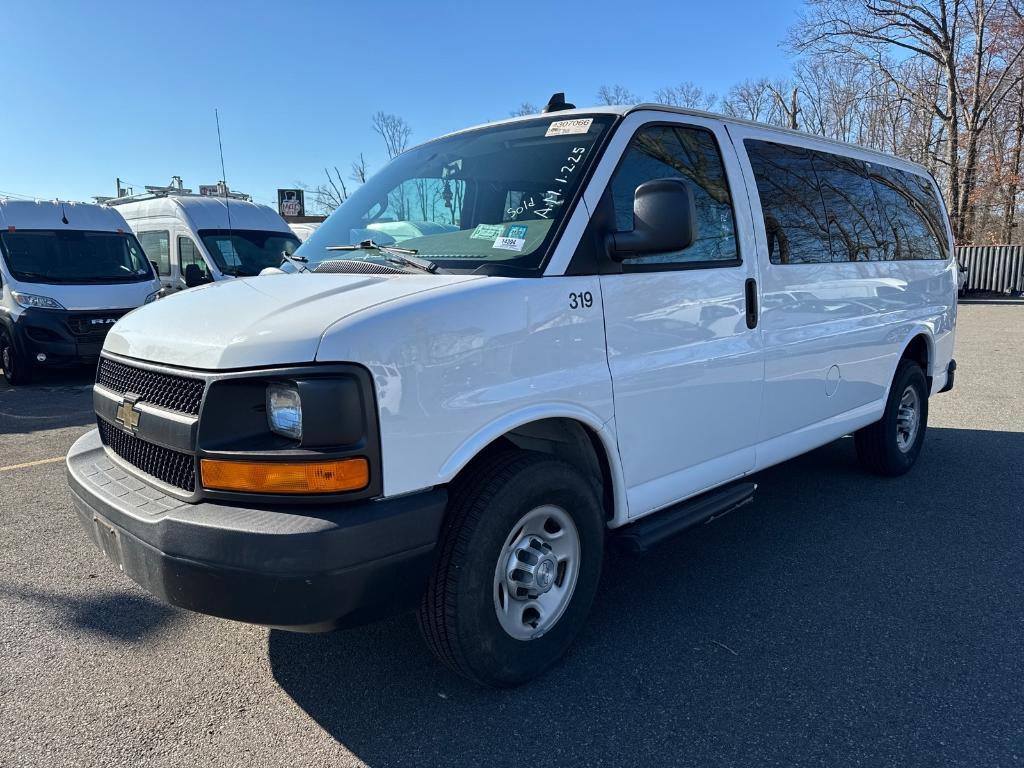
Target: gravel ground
<point>839,620</point>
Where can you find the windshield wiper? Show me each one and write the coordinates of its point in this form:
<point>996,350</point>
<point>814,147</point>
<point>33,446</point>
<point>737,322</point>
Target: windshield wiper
<point>299,262</point>
<point>403,256</point>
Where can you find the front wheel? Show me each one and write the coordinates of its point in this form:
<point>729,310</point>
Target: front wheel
<point>16,370</point>
<point>518,565</point>
<point>891,445</point>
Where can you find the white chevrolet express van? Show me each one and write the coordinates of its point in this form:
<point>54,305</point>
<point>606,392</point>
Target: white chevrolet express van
<point>625,313</point>
<point>68,271</point>
<point>196,239</point>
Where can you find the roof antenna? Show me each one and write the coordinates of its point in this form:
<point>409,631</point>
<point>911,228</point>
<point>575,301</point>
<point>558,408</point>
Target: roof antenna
<point>557,103</point>
<point>63,214</point>
<point>223,175</point>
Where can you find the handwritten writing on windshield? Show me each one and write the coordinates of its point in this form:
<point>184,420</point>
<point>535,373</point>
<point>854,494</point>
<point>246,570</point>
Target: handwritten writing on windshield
<point>553,197</point>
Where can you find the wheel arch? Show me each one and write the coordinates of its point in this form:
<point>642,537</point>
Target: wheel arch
<point>575,436</point>
<point>919,347</point>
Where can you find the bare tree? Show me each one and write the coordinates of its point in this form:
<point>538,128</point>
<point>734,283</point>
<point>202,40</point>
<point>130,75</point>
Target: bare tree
<point>976,47</point>
<point>687,94</point>
<point>616,94</point>
<point>394,130</point>
<point>360,170</point>
<point>332,194</point>
<point>752,100</point>
<point>526,108</point>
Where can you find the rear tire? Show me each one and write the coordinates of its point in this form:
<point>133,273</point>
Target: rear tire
<point>16,369</point>
<point>891,445</point>
<point>484,616</point>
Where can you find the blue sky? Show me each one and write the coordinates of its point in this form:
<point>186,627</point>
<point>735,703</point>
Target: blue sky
<point>99,90</point>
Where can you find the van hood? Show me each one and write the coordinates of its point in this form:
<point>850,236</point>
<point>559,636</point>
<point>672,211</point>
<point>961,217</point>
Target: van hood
<point>258,321</point>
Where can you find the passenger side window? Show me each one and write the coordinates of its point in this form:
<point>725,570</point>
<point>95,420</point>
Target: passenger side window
<point>157,246</point>
<point>692,154</point>
<point>189,254</point>
<point>910,216</point>
<point>854,227</point>
<point>791,202</point>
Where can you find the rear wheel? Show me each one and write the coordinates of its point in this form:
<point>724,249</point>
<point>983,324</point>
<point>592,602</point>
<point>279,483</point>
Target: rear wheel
<point>16,370</point>
<point>891,445</point>
<point>518,566</point>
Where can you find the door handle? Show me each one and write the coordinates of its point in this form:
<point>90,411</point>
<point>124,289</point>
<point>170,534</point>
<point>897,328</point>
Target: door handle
<point>750,288</point>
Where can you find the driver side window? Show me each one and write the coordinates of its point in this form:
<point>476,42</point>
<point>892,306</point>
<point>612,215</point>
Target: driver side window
<point>666,151</point>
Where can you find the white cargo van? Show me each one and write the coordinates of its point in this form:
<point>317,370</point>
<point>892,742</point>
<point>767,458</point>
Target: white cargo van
<point>195,239</point>
<point>68,271</point>
<point>623,313</point>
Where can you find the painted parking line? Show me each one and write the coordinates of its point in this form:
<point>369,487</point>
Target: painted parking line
<point>54,460</point>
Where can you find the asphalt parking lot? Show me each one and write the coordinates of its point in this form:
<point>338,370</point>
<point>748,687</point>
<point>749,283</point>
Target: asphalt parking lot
<point>839,620</point>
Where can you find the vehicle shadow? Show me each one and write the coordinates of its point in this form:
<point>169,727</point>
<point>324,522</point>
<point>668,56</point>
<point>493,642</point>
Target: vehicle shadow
<point>829,622</point>
<point>120,615</point>
<point>56,399</point>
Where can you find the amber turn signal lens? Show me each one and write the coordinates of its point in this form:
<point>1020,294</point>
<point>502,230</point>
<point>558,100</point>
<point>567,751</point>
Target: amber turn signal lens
<point>285,477</point>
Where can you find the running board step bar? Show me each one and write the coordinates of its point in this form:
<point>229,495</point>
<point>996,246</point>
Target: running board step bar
<point>649,531</point>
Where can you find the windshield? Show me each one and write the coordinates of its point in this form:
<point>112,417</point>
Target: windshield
<point>243,252</point>
<point>490,196</point>
<point>74,256</point>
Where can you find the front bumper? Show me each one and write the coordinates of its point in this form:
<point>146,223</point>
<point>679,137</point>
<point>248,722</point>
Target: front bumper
<point>65,337</point>
<point>304,568</point>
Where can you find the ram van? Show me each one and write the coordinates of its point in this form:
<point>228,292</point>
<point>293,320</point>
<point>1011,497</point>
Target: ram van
<point>621,315</point>
<point>196,239</point>
<point>68,272</point>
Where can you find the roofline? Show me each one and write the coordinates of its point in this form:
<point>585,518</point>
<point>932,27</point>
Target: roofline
<point>774,128</point>
<point>627,109</point>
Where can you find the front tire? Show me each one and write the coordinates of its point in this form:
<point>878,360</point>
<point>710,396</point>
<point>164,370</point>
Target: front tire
<point>518,565</point>
<point>16,370</point>
<point>890,446</point>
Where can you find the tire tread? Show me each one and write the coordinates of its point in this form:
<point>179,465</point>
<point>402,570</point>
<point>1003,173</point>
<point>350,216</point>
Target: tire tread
<point>470,497</point>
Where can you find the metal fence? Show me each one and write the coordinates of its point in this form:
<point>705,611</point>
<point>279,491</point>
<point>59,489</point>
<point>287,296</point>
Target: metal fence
<point>996,268</point>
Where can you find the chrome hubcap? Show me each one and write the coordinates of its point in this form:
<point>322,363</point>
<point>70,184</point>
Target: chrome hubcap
<point>908,419</point>
<point>536,572</point>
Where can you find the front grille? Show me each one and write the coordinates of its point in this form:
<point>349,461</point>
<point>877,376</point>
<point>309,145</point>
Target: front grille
<point>178,393</point>
<point>174,468</point>
<point>83,325</point>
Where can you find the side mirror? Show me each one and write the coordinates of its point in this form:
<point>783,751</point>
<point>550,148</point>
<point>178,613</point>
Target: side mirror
<point>194,276</point>
<point>156,268</point>
<point>664,220</point>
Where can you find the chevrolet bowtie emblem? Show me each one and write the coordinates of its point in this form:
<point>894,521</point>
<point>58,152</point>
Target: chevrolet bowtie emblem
<point>127,415</point>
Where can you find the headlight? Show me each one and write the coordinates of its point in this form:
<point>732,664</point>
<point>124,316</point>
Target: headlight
<point>284,410</point>
<point>152,297</point>
<point>28,300</point>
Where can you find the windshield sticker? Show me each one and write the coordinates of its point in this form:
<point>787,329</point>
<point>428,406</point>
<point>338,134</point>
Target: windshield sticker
<point>569,127</point>
<point>487,231</point>
<point>514,239</point>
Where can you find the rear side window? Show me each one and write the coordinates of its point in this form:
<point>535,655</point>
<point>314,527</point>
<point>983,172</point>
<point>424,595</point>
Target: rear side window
<point>692,154</point>
<point>911,216</point>
<point>157,246</point>
<point>821,207</point>
<point>795,222</point>
<point>854,226</point>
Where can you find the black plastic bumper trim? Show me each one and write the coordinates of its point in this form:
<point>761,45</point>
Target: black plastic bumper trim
<point>300,568</point>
